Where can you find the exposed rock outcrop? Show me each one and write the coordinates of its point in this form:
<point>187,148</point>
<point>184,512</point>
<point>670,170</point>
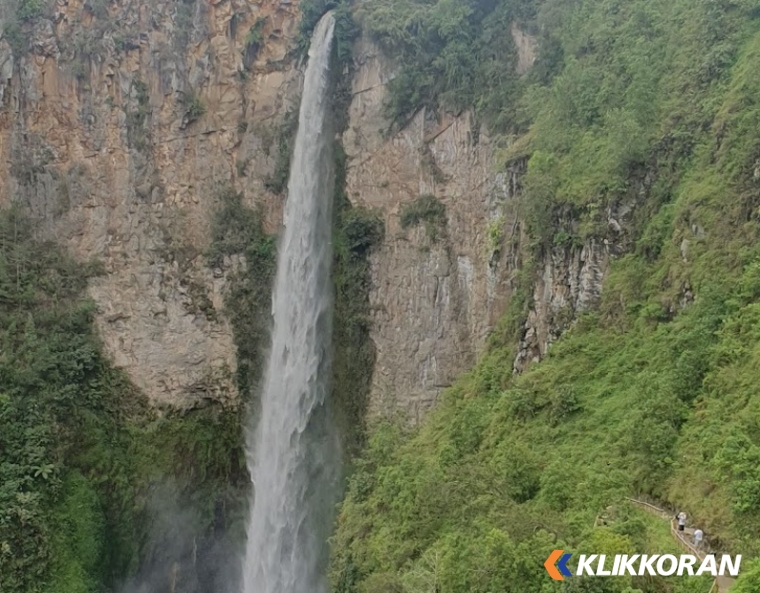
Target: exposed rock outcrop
<point>123,123</point>
<point>570,283</point>
<point>527,48</point>
<point>119,129</point>
<point>435,301</point>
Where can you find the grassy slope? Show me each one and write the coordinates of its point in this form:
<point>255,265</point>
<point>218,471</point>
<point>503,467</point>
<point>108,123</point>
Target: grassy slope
<point>642,396</point>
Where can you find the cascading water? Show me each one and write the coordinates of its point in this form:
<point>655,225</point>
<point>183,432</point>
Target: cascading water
<point>293,452</point>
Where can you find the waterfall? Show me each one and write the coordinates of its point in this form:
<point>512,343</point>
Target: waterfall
<point>293,451</point>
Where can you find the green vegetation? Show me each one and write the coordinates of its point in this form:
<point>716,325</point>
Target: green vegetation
<point>14,35</point>
<point>195,108</point>
<point>750,579</point>
<point>99,8</point>
<point>356,232</point>
<point>427,210</point>
<point>616,91</point>
<point>346,29</point>
<point>19,19</point>
<point>496,237</point>
<point>238,230</point>
<point>454,54</point>
<point>277,182</point>
<point>644,103</point>
<point>651,103</point>
<point>82,453</point>
<point>47,355</point>
<point>28,10</point>
<point>183,19</point>
<point>254,40</point>
<point>512,468</point>
<point>137,116</point>
<point>346,32</point>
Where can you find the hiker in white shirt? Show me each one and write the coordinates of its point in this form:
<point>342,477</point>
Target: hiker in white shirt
<point>681,520</point>
<point>698,537</point>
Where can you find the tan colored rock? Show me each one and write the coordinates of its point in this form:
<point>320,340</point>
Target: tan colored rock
<point>527,48</point>
<point>434,302</point>
<point>103,151</point>
<point>140,195</point>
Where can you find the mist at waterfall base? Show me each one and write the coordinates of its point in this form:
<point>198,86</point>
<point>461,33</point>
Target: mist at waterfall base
<point>178,554</point>
<point>293,449</point>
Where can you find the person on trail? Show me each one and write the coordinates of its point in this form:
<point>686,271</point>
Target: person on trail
<point>698,537</point>
<point>681,520</point>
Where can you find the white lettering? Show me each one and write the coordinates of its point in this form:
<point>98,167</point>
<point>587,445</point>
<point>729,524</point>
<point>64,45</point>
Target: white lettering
<point>600,572</point>
<point>584,564</point>
<point>627,565</point>
<point>686,564</point>
<point>733,567</point>
<point>661,565</point>
<point>708,566</point>
<point>647,562</point>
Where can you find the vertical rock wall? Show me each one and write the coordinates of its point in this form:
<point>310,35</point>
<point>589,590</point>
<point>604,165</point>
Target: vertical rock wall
<point>124,122</point>
<point>434,299</point>
<point>119,129</point>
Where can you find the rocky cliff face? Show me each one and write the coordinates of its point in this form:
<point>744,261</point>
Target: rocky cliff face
<point>122,123</point>
<point>569,277</point>
<point>435,297</point>
<point>569,283</point>
<point>435,301</point>
<point>119,128</point>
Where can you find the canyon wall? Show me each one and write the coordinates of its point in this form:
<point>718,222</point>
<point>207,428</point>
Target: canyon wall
<point>435,299</point>
<point>122,124</point>
<point>120,128</point>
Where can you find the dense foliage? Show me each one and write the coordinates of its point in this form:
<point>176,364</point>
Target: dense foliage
<point>356,232</point>
<point>81,455</point>
<point>426,210</point>
<point>51,377</point>
<point>238,231</point>
<point>647,103</point>
<point>453,53</point>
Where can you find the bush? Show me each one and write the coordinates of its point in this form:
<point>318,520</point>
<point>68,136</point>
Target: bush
<point>427,210</point>
<point>362,229</point>
<point>195,108</point>
<point>451,54</point>
<point>28,10</point>
<point>277,182</point>
<point>238,230</point>
<point>254,40</point>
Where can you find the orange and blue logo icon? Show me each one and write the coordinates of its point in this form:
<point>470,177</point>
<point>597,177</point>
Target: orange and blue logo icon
<point>556,565</point>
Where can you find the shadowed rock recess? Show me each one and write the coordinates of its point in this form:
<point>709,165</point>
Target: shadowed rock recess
<point>544,287</point>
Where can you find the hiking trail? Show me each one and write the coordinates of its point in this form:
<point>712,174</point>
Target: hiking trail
<point>722,584</point>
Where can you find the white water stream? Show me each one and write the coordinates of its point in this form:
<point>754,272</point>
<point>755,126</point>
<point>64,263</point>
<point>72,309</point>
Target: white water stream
<point>293,451</point>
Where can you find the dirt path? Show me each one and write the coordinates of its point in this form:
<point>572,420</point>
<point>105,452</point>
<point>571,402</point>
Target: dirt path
<point>685,539</point>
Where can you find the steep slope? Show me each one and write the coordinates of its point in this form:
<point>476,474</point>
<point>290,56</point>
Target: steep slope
<point>644,110</point>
